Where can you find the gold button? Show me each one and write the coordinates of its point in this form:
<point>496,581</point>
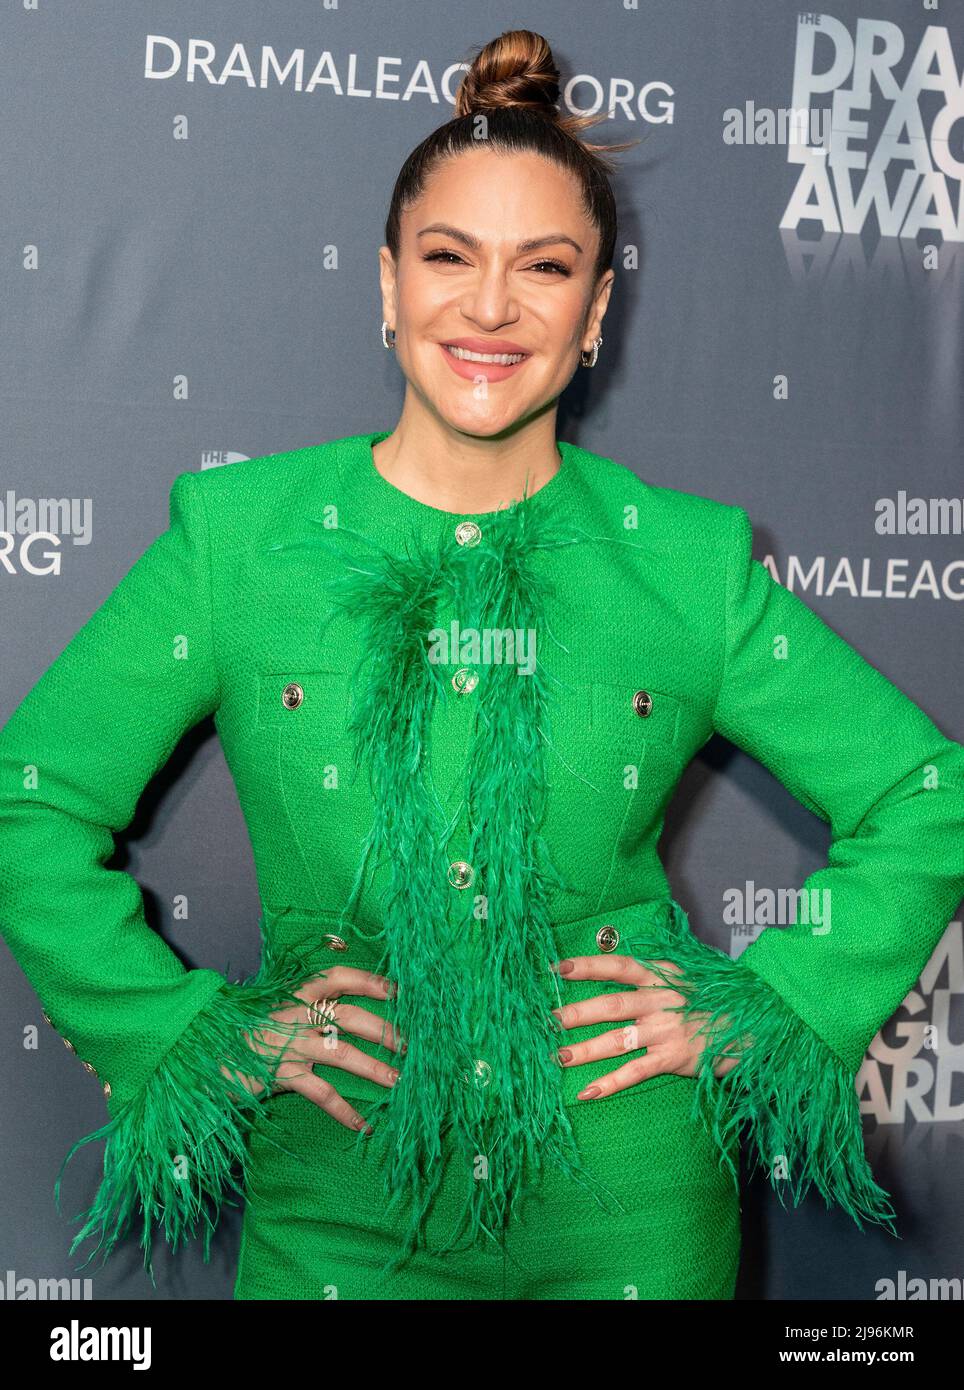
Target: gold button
<point>481,1073</point>
<point>643,703</point>
<point>335,943</point>
<point>46,1017</point>
<point>89,1066</point>
<point>467,533</point>
<point>292,695</point>
<point>106,1088</point>
<point>69,1045</point>
<point>607,938</point>
<point>461,874</point>
<point>464,681</point>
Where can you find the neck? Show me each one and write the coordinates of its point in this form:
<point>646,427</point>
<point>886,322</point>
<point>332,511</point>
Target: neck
<point>457,471</point>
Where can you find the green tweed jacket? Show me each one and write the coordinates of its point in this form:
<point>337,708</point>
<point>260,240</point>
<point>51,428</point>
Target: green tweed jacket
<point>454,739</point>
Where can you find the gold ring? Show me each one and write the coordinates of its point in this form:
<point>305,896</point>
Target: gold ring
<point>321,1012</point>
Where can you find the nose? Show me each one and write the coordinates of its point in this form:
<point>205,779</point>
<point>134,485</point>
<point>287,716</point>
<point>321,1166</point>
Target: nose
<point>490,303</point>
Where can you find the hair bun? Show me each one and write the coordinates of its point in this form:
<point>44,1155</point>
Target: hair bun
<point>516,69</point>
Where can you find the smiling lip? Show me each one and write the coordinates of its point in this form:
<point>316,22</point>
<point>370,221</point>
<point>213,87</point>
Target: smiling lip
<point>471,370</point>
<point>493,345</point>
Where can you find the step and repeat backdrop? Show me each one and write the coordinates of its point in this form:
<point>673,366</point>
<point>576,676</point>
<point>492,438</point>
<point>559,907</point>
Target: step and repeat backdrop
<point>194,200</point>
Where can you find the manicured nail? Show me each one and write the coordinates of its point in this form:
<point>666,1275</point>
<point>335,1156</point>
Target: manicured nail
<point>565,967</point>
<point>589,1093</point>
<point>565,1055</point>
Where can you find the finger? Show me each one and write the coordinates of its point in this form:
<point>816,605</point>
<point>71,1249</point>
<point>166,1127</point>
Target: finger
<point>362,1023</point>
<point>332,1050</point>
<point>347,979</point>
<point>326,1015</point>
<point>324,1095</point>
<point>629,1074</point>
<point>623,969</point>
<point>601,1008</point>
<point>616,1042</point>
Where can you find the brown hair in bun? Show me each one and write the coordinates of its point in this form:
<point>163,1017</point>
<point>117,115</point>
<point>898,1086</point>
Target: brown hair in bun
<point>514,83</point>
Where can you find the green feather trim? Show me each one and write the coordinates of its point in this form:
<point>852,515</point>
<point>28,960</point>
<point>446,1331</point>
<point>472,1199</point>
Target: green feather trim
<point>467,991</point>
<point>172,1150</point>
<point>790,1093</point>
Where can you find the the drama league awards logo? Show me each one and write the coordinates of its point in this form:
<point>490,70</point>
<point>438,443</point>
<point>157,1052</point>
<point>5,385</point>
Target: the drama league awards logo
<point>890,157</point>
<point>915,1065</point>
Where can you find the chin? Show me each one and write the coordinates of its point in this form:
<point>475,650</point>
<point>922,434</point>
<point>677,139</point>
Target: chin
<point>483,418</point>
<point>483,426</point>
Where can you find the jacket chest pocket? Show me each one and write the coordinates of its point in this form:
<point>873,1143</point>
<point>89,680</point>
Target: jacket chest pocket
<point>636,735</point>
<point>308,711</point>
<point>305,704</point>
<point>602,719</point>
<point>615,760</point>
<point>635,716</point>
<point>326,801</point>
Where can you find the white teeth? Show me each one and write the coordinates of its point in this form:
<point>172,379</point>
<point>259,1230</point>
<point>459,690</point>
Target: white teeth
<point>502,359</point>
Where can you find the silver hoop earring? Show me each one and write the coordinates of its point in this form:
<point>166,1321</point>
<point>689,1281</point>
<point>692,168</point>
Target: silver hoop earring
<point>385,332</point>
<point>595,354</point>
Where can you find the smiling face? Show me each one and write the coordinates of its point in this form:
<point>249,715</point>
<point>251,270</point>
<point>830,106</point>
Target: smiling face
<point>493,297</point>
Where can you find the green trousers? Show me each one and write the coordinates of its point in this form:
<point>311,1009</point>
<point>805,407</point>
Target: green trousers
<point>315,1225</point>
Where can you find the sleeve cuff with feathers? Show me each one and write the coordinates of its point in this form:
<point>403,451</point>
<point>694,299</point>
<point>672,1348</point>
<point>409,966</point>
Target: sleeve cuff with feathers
<point>175,1149</point>
<point>790,1096</point>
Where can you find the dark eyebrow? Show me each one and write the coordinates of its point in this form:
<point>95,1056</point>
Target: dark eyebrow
<point>473,243</point>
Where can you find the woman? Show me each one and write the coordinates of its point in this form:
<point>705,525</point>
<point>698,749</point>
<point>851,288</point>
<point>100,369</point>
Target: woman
<point>458,669</point>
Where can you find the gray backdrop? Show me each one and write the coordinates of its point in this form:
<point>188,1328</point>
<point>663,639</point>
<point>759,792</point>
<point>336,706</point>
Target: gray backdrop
<point>189,277</point>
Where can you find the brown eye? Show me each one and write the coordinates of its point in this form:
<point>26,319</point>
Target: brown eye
<point>553,265</point>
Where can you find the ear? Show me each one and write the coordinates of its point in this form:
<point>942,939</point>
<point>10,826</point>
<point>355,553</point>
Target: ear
<point>597,309</point>
<point>387,280</point>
